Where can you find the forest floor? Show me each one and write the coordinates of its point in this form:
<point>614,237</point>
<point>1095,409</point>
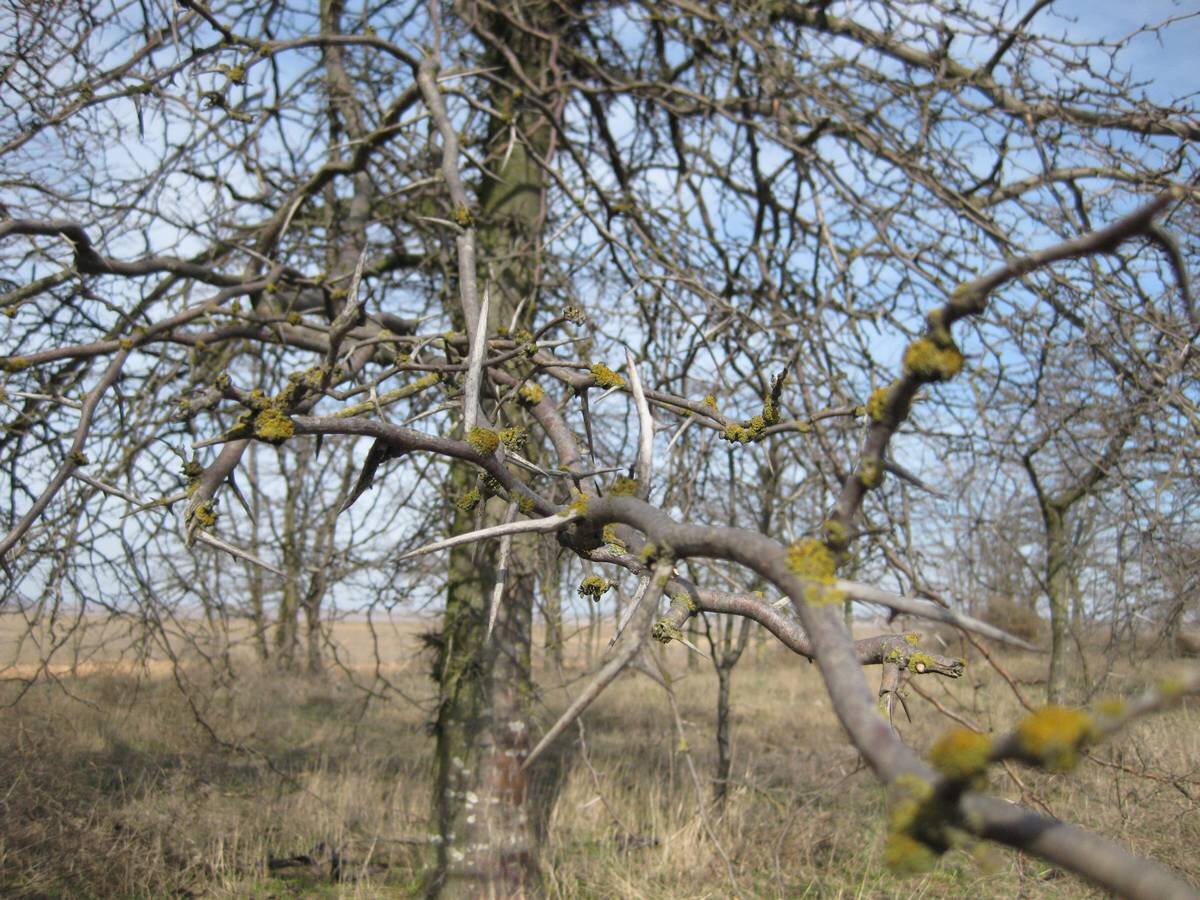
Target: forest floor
<point>216,778</point>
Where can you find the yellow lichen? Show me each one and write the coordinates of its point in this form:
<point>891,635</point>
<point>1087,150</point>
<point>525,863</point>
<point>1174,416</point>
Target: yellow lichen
<point>594,587</point>
<point>836,535</point>
<point>14,363</point>
<point>462,217</point>
<point>484,440</point>
<point>905,855</point>
<point>960,754</point>
<point>1111,707</point>
<point>664,632</point>
<point>531,393</point>
<point>273,426</point>
<point>870,472</point>
<point>929,362</point>
<point>711,402</point>
<point>916,827</point>
<point>877,403</point>
<point>920,662</point>
<point>525,504</point>
<point>578,506</point>
<point>812,560</point>
<point>1054,736</point>
<point>912,638</point>
<point>609,535</point>
<point>205,514</point>
<point>605,377</point>
<point>1170,687</point>
<point>623,487</point>
<point>468,500</point>
<point>514,437</point>
<point>747,432</point>
<point>574,315</point>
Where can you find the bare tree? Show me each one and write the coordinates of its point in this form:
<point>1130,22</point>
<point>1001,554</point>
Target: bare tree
<point>548,257</point>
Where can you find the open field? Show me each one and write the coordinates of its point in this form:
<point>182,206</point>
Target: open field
<point>130,780</point>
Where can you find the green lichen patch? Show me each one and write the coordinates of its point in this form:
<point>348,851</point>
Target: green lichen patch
<point>961,754</point>
<point>870,472</point>
<point>603,376</point>
<point>14,364</point>
<point>594,587</point>
<point>1054,735</point>
<point>836,535</point>
<point>514,438</point>
<point>611,540</point>
<point>664,632</point>
<point>755,428</point>
<point>468,500</point>
<point>273,426</point>
<point>686,601</point>
<point>462,217</point>
<point>744,432</point>
<point>930,362</point>
<point>483,440</point>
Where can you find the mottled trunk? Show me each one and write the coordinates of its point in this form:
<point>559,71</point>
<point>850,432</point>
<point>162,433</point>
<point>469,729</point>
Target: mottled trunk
<point>487,846</point>
<point>488,843</point>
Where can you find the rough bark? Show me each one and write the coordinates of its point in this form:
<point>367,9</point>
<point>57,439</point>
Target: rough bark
<point>488,843</point>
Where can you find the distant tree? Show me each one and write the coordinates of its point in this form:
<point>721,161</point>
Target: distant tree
<point>547,257</point>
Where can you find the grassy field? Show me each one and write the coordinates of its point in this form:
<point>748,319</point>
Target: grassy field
<point>149,779</point>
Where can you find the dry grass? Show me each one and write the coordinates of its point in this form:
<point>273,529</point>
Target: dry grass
<point>111,786</point>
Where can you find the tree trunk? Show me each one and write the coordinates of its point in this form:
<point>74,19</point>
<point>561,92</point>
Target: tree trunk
<point>488,846</point>
<point>1059,589</point>
<point>552,608</point>
<point>724,755</point>
<point>286,636</point>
